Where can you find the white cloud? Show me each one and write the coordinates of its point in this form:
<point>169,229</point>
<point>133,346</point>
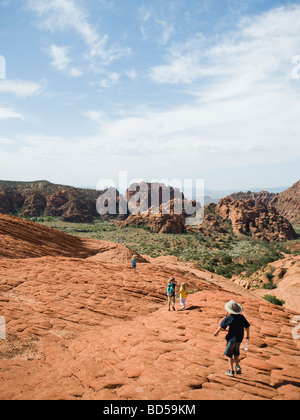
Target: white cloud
<point>22,88</point>
<point>183,64</point>
<point>207,135</point>
<point>99,117</point>
<point>155,28</point>
<point>61,61</point>
<point>246,100</point>
<point>60,57</point>
<point>167,31</point>
<point>5,141</point>
<point>244,109</point>
<point>76,72</point>
<point>110,80</point>
<point>63,15</point>
<point>132,74</point>
<point>8,113</point>
<point>262,47</point>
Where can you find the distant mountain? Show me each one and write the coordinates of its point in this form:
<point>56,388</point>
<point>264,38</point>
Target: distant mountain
<point>42,198</point>
<point>218,194</point>
<point>208,200</point>
<point>214,196</point>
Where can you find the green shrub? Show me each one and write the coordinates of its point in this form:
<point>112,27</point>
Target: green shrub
<point>284,270</point>
<point>269,286</point>
<point>269,275</point>
<point>226,259</point>
<point>224,271</point>
<point>274,300</point>
<point>238,269</point>
<point>209,267</point>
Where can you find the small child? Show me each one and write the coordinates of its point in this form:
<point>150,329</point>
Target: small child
<point>236,323</point>
<point>171,293</point>
<point>183,295</point>
<point>133,263</point>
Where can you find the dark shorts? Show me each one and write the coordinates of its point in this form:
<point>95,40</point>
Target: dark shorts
<point>232,349</point>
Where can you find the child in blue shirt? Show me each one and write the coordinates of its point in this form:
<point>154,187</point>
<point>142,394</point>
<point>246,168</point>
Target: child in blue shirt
<point>171,293</point>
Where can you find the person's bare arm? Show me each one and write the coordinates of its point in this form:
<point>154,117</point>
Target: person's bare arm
<point>218,330</point>
<point>248,333</point>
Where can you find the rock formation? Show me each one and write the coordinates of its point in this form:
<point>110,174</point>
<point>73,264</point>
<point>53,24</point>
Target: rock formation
<point>262,215</point>
<point>34,205</point>
<point>245,217</point>
<point>153,195</point>
<point>158,223</point>
<point>10,200</point>
<point>263,196</point>
<point>287,203</point>
<point>249,217</point>
<point>56,203</point>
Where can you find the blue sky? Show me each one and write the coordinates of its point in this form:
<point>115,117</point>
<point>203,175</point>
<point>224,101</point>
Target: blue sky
<point>198,89</point>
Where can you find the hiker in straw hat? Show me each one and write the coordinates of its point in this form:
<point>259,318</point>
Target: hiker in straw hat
<point>237,323</point>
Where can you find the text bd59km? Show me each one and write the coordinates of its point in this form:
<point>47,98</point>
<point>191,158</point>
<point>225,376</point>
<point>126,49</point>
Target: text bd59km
<point>151,409</point>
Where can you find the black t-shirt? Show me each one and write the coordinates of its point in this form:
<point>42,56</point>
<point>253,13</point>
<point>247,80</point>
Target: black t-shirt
<point>236,324</point>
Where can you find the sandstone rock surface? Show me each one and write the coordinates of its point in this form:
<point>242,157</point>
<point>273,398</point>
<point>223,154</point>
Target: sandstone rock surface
<point>81,328</point>
<point>285,275</point>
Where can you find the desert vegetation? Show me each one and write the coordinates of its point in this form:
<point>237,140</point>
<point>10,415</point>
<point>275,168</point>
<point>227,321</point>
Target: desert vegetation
<point>223,254</point>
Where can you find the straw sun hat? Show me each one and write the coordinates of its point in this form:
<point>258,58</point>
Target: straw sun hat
<point>233,307</point>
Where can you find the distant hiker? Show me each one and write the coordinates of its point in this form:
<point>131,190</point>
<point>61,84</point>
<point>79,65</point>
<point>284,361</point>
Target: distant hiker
<point>236,323</point>
<point>183,292</point>
<point>133,263</point>
<point>171,293</point>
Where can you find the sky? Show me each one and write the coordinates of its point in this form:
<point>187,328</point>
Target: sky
<point>159,89</point>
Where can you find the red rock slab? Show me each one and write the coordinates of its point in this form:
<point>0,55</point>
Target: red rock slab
<point>21,238</point>
<point>142,359</point>
<point>289,392</point>
<point>83,329</point>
